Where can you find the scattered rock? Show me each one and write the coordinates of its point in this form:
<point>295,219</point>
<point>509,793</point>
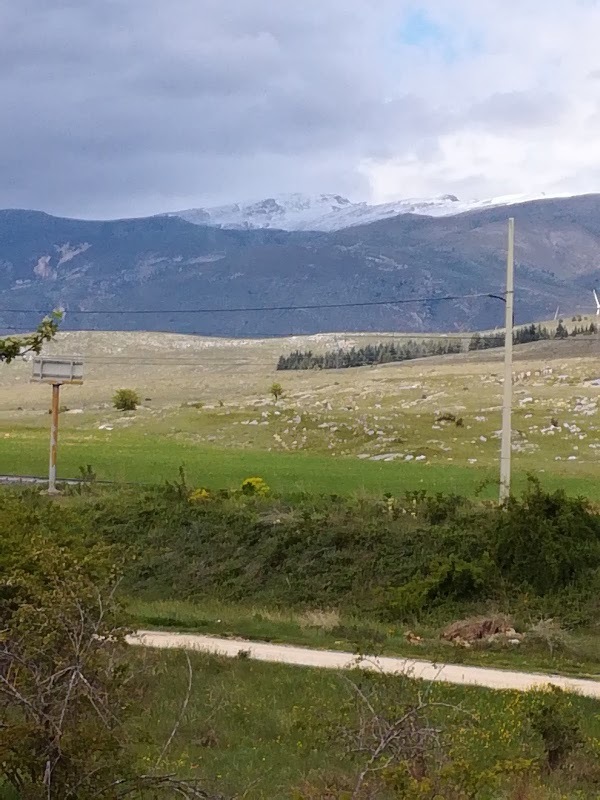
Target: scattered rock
<point>386,456</point>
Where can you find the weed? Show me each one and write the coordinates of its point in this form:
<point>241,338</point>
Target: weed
<point>323,620</point>
<point>551,634</point>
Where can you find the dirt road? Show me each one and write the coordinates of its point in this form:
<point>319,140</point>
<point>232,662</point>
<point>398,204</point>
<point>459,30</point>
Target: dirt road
<point>329,659</point>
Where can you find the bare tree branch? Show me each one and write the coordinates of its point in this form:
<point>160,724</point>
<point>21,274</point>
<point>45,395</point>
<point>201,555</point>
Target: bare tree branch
<point>181,713</point>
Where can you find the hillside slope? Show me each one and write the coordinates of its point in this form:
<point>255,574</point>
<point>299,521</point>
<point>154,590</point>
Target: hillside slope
<point>165,264</point>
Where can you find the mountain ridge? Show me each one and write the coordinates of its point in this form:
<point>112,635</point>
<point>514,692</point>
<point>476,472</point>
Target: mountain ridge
<point>169,268</point>
<point>330,212</point>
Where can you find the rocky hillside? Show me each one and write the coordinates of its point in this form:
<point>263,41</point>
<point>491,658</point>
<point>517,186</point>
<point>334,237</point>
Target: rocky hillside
<point>177,273</point>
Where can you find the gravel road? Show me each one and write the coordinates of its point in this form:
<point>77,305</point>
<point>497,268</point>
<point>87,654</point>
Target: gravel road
<point>330,659</point>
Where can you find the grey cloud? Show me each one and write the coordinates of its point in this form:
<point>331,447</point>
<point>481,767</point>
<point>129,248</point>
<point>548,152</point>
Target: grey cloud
<point>131,106</point>
<point>514,110</point>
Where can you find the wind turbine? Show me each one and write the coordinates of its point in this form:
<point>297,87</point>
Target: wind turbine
<point>597,303</point>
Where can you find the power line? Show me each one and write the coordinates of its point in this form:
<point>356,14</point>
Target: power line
<point>308,307</point>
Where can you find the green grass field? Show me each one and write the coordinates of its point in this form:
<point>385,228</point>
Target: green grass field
<point>129,457</point>
<point>269,732</point>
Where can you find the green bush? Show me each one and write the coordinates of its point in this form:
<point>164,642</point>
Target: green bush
<point>126,400</point>
<point>448,580</point>
<point>276,390</point>
<point>62,659</point>
<point>546,542</point>
<point>255,486</point>
<point>401,559</point>
<point>556,719</point>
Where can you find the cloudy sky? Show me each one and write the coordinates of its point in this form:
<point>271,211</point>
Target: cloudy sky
<point>130,107</point>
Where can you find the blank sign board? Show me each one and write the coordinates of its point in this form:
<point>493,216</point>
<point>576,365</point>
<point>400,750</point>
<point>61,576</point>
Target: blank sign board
<point>57,370</point>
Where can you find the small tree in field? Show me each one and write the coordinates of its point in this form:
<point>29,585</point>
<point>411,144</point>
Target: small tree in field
<point>126,400</point>
<point>276,390</point>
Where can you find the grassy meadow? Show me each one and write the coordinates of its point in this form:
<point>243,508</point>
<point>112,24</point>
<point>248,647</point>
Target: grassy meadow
<point>205,403</point>
<point>356,571</point>
<point>266,732</point>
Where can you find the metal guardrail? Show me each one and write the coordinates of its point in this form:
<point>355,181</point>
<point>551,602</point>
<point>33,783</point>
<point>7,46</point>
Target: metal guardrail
<point>18,480</point>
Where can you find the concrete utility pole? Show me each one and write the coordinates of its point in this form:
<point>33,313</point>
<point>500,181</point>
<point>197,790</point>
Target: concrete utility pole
<point>506,448</point>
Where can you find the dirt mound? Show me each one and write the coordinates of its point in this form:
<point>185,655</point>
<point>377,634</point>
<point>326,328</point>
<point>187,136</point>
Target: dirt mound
<point>475,629</point>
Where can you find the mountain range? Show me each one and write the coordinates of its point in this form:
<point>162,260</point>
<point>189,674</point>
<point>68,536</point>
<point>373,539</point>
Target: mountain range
<point>332,212</point>
<point>168,273</point>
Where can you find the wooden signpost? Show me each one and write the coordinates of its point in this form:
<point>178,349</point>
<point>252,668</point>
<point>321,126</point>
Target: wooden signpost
<point>56,371</point>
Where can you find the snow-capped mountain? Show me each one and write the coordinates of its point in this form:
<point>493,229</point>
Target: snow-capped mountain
<point>331,212</point>
<point>286,212</point>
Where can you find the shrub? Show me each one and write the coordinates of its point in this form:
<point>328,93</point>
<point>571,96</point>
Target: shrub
<point>551,634</point>
<point>546,542</point>
<point>63,665</point>
<point>62,409</point>
<point>323,620</point>
<point>255,486</point>
<point>68,681</point>
<point>427,557</point>
<point>276,390</point>
<point>555,718</point>
<point>450,579</point>
<point>199,496</point>
<point>126,400</point>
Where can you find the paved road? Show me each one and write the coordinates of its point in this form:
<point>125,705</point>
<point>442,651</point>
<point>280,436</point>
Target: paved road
<point>330,659</point>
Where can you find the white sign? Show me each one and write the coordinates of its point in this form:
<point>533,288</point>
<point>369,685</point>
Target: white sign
<point>57,370</point>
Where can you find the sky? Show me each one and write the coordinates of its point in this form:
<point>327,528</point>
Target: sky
<point>133,107</point>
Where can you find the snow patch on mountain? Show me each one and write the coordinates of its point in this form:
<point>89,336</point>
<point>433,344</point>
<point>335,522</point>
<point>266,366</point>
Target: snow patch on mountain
<point>286,212</point>
<point>330,212</point>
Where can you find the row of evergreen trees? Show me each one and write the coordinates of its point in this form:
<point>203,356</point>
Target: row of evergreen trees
<point>530,333</point>
<point>370,354</point>
<point>392,351</point>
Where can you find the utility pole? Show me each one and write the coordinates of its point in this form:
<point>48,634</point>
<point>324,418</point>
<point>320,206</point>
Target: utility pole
<point>506,448</point>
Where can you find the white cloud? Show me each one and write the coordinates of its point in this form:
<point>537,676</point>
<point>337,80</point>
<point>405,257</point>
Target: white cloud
<point>525,103</point>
